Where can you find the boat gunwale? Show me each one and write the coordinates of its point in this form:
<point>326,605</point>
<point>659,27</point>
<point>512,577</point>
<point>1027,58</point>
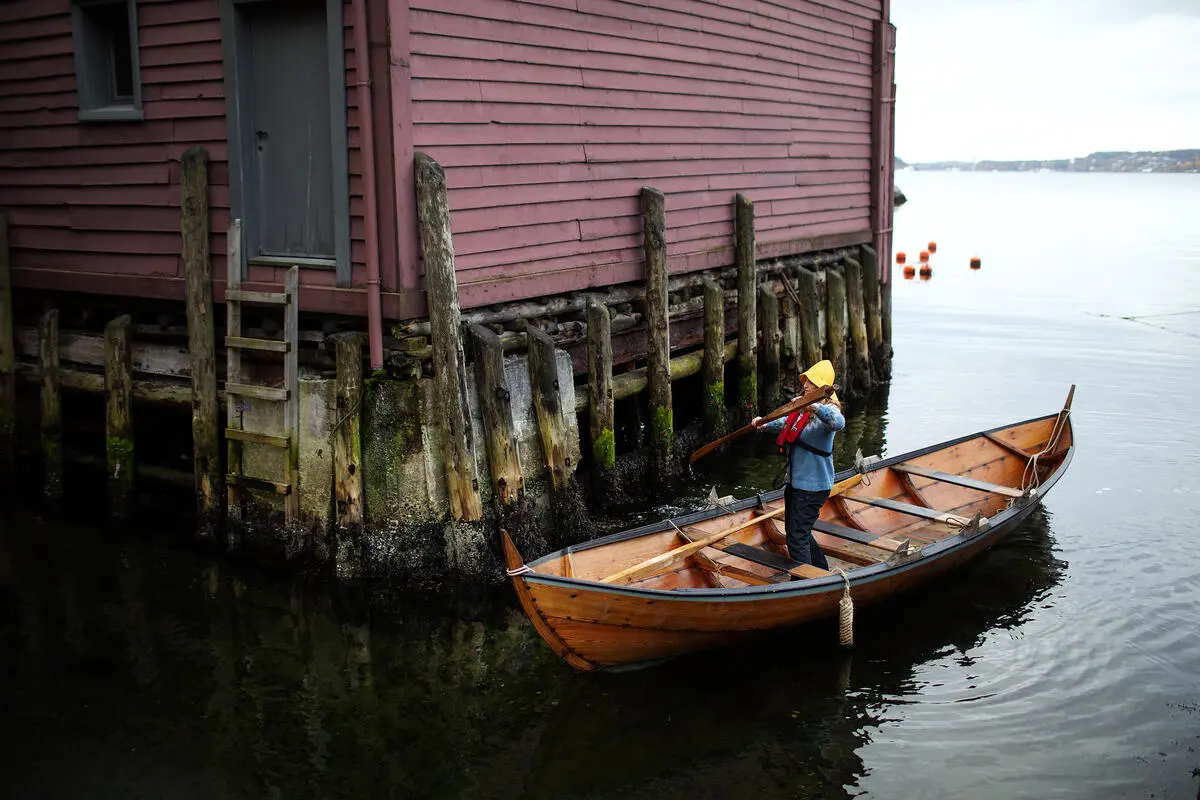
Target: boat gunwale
<point>998,525</point>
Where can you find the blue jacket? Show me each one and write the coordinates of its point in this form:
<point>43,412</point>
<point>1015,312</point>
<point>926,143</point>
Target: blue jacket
<point>809,471</point>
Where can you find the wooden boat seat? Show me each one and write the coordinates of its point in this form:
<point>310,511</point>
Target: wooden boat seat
<point>908,508</point>
<point>958,480</point>
<point>842,532</point>
<point>769,559</point>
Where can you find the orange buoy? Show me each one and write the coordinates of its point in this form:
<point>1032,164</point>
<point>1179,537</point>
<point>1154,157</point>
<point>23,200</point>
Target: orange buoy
<point>924,256</point>
<point>926,275</point>
<point>901,257</point>
<point>909,272</point>
<point>976,263</point>
<point>933,247</point>
<point>926,271</point>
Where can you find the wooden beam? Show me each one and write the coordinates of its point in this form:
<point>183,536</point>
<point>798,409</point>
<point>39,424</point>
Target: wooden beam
<point>118,417</point>
<point>291,407</point>
<point>768,348</point>
<point>51,419</point>
<point>658,337</point>
<point>1009,446</point>
<point>548,406</point>
<point>600,387</point>
<point>205,490</point>
<point>911,489</point>
<point>958,480</point>
<point>347,443</point>
<point>835,320</point>
<point>810,336</point>
<point>789,321</point>
<point>908,508</point>
<point>713,403</point>
<point>8,377</point>
<point>449,363</point>
<point>197,270</point>
<point>495,405</point>
<point>744,255</point>
<point>860,354</point>
<point>881,359</point>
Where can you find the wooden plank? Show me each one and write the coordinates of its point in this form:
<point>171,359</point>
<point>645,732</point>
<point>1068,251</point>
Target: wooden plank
<point>491,387</point>
<point>240,435</point>
<point>722,569</point>
<point>835,320</point>
<point>265,345</point>
<point>291,382</point>
<point>907,508</point>
<point>958,480</point>
<point>277,394</point>
<point>911,488</point>
<point>118,417</point>
<point>8,378</point>
<point>197,268</point>
<point>257,298</point>
<point>258,484</point>
<point>658,339</point>
<point>768,348</point>
<point>602,417</point>
<point>747,400</point>
<point>661,562</point>
<point>347,444</point>
<point>810,337</point>
<point>713,403</point>
<point>859,379</point>
<point>872,299</point>
<point>51,418</point>
<point>449,363</point>
<point>233,372</point>
<point>777,562</point>
<point>1009,446</point>
<point>548,406</point>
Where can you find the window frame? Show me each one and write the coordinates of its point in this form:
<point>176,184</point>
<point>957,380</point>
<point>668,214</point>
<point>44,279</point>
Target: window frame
<point>94,105</point>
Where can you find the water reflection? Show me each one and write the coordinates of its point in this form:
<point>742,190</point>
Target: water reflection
<point>133,668</point>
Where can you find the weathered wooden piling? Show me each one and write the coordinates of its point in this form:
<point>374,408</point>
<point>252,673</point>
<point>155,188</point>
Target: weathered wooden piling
<point>118,417</point>
<point>548,406</point>
<point>233,409</point>
<point>789,322</point>
<point>810,334</point>
<point>860,354</point>
<point>881,359</point>
<point>449,363</point>
<point>8,377</point>
<point>743,232</point>
<point>713,409</point>
<point>658,340</point>
<point>51,420</point>
<point>768,348</point>
<point>495,405</point>
<point>835,321</point>
<point>347,438</point>
<point>600,386</point>
<point>197,270</point>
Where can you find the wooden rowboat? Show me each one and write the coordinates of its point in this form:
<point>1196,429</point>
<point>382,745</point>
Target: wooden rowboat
<point>713,577</point>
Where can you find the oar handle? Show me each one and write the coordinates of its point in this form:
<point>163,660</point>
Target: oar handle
<point>814,396</point>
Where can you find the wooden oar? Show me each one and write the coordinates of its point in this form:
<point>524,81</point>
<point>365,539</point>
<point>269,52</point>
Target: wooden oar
<point>814,396</point>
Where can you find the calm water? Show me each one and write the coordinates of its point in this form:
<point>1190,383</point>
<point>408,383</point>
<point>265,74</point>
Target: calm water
<point>1065,663</point>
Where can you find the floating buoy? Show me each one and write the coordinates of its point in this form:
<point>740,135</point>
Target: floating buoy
<point>901,257</point>
<point>910,272</point>
<point>924,256</point>
<point>976,263</point>
<point>933,247</point>
<point>926,271</point>
<point>926,275</point>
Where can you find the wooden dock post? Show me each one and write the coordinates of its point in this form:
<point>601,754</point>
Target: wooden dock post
<point>658,337</point>
<point>51,423</point>
<point>8,377</point>
<point>118,417</point>
<point>449,363</point>
<point>495,405</point>
<point>810,334</point>
<point>197,269</point>
<point>548,406</point>
<point>768,353</point>
<point>347,442</point>
<point>789,320</point>
<point>835,322</point>
<point>881,366</point>
<point>600,386</point>
<point>713,410</point>
<point>860,354</point>
<point>743,232</point>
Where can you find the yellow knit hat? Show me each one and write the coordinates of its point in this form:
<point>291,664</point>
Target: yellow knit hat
<point>821,374</point>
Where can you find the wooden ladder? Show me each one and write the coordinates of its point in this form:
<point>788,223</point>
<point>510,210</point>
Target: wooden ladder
<point>236,387</point>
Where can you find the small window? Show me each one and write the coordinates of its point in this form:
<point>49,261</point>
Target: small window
<point>106,59</point>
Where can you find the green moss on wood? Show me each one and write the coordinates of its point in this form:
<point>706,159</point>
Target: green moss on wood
<point>748,391</point>
<point>604,449</point>
<point>662,428</point>
<point>714,403</point>
<point>119,450</point>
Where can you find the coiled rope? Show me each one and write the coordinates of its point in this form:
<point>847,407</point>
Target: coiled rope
<point>845,614</point>
<point>1029,477</point>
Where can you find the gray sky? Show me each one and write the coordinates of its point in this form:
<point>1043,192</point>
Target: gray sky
<point>1013,79</point>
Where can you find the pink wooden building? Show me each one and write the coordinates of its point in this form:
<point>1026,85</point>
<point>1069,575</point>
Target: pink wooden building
<point>548,116</point>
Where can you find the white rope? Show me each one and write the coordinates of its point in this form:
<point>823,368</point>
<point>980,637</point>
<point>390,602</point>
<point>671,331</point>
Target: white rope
<point>845,613</point>
<point>1029,477</point>
<point>524,569</point>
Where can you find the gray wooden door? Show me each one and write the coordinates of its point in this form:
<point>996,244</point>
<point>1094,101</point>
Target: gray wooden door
<point>288,129</point>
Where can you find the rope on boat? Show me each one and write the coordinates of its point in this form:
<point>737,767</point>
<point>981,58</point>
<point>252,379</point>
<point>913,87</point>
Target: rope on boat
<point>845,614</point>
<point>1029,477</point>
<point>521,570</point>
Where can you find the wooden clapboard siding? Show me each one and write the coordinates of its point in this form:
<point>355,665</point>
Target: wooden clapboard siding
<point>550,115</point>
<point>95,206</point>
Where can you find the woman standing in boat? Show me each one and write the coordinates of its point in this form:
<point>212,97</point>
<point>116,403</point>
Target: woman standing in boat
<point>808,439</point>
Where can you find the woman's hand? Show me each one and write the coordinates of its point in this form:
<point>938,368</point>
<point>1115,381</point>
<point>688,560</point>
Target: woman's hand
<point>757,422</point>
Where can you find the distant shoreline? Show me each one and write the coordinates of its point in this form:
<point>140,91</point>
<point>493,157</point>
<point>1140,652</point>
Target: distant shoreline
<point>1184,161</point>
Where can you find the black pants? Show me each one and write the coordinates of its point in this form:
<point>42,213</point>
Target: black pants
<point>803,508</point>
